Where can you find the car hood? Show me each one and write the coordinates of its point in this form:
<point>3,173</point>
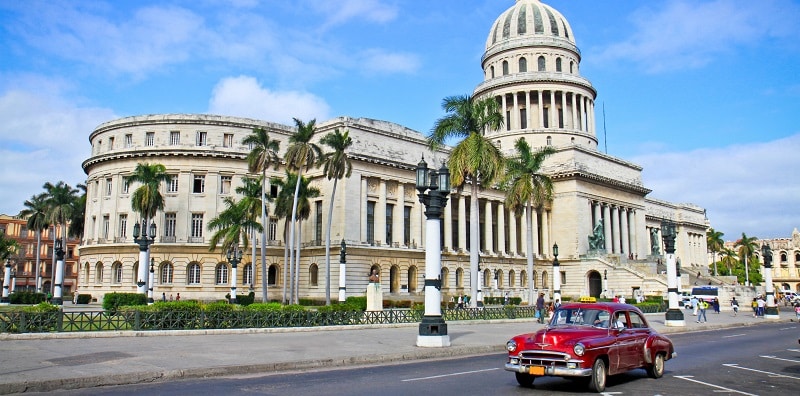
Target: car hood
<point>561,336</point>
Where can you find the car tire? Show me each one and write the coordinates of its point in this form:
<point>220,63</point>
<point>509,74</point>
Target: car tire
<point>656,370</point>
<point>597,383</point>
<point>525,380</point>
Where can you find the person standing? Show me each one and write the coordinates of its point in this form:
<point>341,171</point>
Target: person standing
<point>701,311</point>
<point>716,305</point>
<point>735,306</point>
<point>693,301</point>
<point>460,302</point>
<point>178,297</point>
<point>540,307</point>
<point>760,304</point>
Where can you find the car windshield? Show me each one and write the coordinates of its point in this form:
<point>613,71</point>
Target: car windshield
<point>579,317</point>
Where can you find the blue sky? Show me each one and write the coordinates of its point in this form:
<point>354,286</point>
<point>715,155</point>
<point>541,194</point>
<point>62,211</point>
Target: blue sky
<point>703,94</point>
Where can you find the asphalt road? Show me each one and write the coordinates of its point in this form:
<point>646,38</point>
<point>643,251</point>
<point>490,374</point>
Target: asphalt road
<point>755,360</point>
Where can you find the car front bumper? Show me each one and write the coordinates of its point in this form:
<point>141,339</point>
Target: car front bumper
<point>556,371</point>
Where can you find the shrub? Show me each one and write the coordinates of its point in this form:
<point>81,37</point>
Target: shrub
<point>112,302</point>
<point>41,308</point>
<point>26,297</point>
<point>359,302</point>
<point>84,298</point>
<point>260,307</point>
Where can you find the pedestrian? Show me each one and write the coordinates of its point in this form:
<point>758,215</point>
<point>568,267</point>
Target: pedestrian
<point>761,304</point>
<point>616,299</point>
<point>557,304</point>
<point>460,302</point>
<point>178,298</point>
<point>622,299</point>
<point>75,297</point>
<point>540,307</point>
<point>797,310</point>
<point>735,306</point>
<point>505,299</point>
<point>163,296</point>
<point>694,302</point>
<point>716,305</point>
<point>701,311</point>
<point>754,305</point>
<point>171,297</point>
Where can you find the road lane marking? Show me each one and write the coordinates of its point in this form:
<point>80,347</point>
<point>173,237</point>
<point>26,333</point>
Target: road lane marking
<point>734,335</point>
<point>787,328</point>
<point>793,350</point>
<point>735,365</point>
<point>449,375</point>
<point>721,388</point>
<point>777,358</point>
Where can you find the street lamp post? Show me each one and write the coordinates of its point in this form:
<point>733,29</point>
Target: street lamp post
<point>433,329</point>
<point>556,275</point>
<point>6,284</point>
<point>150,281</point>
<point>771,311</point>
<point>343,272</point>
<point>144,241</point>
<point>605,283</point>
<point>234,256</point>
<point>58,289</point>
<point>674,316</point>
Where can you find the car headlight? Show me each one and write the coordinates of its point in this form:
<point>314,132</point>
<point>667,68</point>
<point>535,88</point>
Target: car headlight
<point>579,349</point>
<point>511,346</point>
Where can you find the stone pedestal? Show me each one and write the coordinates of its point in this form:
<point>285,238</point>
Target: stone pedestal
<point>374,297</point>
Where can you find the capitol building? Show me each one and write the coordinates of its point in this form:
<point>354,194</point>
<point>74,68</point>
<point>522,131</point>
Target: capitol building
<point>531,67</point>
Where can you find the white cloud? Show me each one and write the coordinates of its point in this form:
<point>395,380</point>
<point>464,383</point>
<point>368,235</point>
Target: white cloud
<point>689,34</point>
<point>243,96</point>
<point>44,139</point>
<point>342,11</point>
<point>745,188</point>
<point>382,62</point>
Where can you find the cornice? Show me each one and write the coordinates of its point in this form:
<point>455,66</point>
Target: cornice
<point>161,152</point>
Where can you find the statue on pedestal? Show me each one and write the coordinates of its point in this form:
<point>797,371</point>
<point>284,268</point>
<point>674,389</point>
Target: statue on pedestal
<point>654,246</point>
<point>597,241</point>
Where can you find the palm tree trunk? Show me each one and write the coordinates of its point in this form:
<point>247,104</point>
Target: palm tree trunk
<point>53,263</point>
<point>37,278</point>
<point>328,248</point>
<point>529,224</point>
<point>294,215</point>
<point>475,245</point>
<point>297,264</point>
<point>263,237</point>
<point>253,260</point>
<point>285,259</point>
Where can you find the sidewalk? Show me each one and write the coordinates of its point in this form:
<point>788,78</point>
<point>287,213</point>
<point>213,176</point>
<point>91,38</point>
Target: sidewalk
<point>46,362</point>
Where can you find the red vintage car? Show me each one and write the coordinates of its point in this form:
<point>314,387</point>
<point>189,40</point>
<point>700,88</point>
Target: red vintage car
<point>590,342</point>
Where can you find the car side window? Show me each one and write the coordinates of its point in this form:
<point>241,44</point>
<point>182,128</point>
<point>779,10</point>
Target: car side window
<point>619,320</point>
<point>637,322</point>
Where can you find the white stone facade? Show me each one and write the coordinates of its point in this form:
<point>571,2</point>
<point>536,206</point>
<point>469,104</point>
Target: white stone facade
<point>377,211</point>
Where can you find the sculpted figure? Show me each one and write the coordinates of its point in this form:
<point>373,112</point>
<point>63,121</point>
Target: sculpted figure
<point>374,277</point>
<point>597,239</point>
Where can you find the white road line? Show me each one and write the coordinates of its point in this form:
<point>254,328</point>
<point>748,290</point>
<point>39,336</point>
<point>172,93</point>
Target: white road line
<point>787,328</point>
<point>734,335</point>
<point>734,365</point>
<point>721,388</point>
<point>793,350</point>
<point>777,358</point>
<point>449,375</point>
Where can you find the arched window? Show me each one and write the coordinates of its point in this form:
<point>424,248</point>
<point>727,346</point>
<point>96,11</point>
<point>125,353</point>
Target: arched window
<point>412,279</point>
<point>86,273</point>
<point>535,281</point>
<point>459,277</point>
<point>445,278</point>
<point>165,273</point>
<point>98,273</point>
<point>571,67</point>
<point>313,275</point>
<point>135,273</point>
<point>797,257</point>
<point>221,274</point>
<point>544,279</point>
<point>272,275</point>
<point>491,69</point>
<point>505,68</point>
<point>523,278</point>
<point>487,277</point>
<point>558,64</point>
<point>247,274</point>
<point>511,278</point>
<point>116,272</point>
<point>523,65</point>
<point>541,64</point>
<point>783,257</point>
<point>500,278</point>
<point>193,274</point>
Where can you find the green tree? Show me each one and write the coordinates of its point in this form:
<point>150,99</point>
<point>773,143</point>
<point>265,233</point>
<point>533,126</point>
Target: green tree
<point>747,253</point>
<point>36,214</point>
<point>527,188</point>
<point>231,226</point>
<point>263,155</point>
<point>147,200</point>
<point>729,259</point>
<point>301,154</point>
<point>251,191</point>
<point>77,222</point>
<point>715,244</point>
<point>284,206</point>
<point>60,203</point>
<point>475,160</point>
<point>8,247</point>
<point>337,165</point>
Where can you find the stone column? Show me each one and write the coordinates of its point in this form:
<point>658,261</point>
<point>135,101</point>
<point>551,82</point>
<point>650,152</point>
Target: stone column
<point>364,201</point>
<point>528,109</point>
<point>488,237</point>
<point>512,233</point>
<point>564,114</point>
<point>541,108</point>
<point>462,222</point>
<point>545,232</point>
<point>616,248</point>
<point>607,227</point>
<point>624,231</point>
<point>397,217</point>
<point>448,226</point>
<point>574,113</point>
<point>501,228</point>
<point>535,220</point>
<point>553,116</point>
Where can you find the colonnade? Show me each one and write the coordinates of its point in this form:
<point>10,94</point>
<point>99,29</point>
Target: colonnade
<point>573,110</point>
<point>619,227</point>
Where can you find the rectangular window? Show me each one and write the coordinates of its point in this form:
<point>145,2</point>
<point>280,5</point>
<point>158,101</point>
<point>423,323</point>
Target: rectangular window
<point>149,138</point>
<point>225,184</point>
<point>106,224</point>
<point>197,225</point>
<point>407,225</point>
<point>108,186</point>
<point>169,224</point>
<point>546,117</point>
<point>523,118</point>
<point>123,226</point>
<point>172,184</point>
<point>508,120</point>
<point>199,185</point>
<point>166,274</point>
<point>389,222</point>
<point>318,221</point>
<point>111,143</point>
<point>174,138</point>
<point>273,229</point>
<point>126,186</point>
<point>227,140</point>
<point>97,188</point>
<point>371,222</point>
<point>201,138</point>
<point>194,274</point>
<point>128,140</point>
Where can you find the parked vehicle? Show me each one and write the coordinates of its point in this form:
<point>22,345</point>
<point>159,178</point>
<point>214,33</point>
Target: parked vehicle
<point>591,341</point>
<point>686,300</point>
<point>707,293</point>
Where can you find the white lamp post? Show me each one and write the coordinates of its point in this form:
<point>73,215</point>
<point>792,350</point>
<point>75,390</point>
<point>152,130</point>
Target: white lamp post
<point>343,272</point>
<point>234,256</point>
<point>144,241</point>
<point>771,311</point>
<point>674,316</point>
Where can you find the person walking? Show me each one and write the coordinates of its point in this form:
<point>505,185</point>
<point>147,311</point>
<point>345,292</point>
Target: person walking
<point>693,301</point>
<point>760,303</point>
<point>701,311</point>
<point>716,305</point>
<point>540,307</point>
<point>735,306</point>
<point>797,310</point>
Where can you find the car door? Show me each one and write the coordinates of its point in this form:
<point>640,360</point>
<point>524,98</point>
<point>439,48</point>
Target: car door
<point>639,332</point>
<point>626,342</point>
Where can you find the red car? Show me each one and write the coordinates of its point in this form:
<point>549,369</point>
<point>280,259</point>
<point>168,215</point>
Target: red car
<point>589,341</point>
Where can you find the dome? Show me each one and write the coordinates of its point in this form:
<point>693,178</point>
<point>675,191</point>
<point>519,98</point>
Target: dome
<point>531,20</point>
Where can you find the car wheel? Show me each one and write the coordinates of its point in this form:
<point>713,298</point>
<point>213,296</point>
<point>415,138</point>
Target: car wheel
<point>525,380</point>
<point>598,381</point>
<point>656,370</point>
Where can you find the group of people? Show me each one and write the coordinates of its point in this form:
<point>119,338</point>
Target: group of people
<point>699,307</point>
<point>543,309</point>
<point>759,306</point>
<point>462,301</point>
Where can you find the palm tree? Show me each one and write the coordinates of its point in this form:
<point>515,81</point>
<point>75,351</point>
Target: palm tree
<point>251,191</point>
<point>232,226</point>
<point>337,166</point>
<point>302,153</point>
<point>147,200</point>
<point>474,160</point>
<point>715,244</point>
<point>60,202</point>
<point>528,189</point>
<point>8,247</point>
<point>283,210</point>
<point>729,258</point>
<point>77,222</point>
<point>747,251</point>
<point>36,213</point>
<point>263,154</point>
